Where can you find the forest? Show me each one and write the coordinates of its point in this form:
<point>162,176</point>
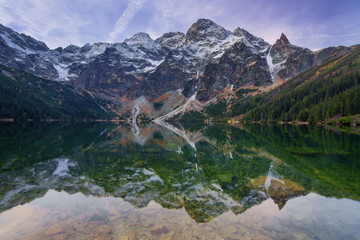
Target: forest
<point>25,96</point>
<point>317,95</point>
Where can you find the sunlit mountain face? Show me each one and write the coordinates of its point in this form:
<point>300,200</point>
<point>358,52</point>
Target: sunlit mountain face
<point>164,172</point>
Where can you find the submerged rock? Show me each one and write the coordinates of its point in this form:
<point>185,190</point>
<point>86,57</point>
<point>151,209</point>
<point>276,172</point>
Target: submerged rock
<point>280,190</point>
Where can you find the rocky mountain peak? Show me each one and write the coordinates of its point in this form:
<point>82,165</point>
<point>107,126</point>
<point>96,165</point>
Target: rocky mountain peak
<point>144,42</point>
<point>283,40</point>
<point>205,61</point>
<point>25,43</point>
<point>203,23</point>
<point>139,38</point>
<point>171,35</point>
<point>171,40</point>
<point>281,50</point>
<point>240,32</point>
<point>71,49</point>
<point>206,28</point>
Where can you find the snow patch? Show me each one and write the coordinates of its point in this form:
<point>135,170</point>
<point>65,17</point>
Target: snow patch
<point>62,168</point>
<point>179,150</point>
<point>270,177</point>
<point>203,49</point>
<point>63,72</point>
<point>97,49</point>
<point>103,108</point>
<point>102,133</point>
<point>10,43</point>
<point>217,186</point>
<point>214,196</point>
<point>133,119</point>
<point>135,128</point>
<point>179,91</point>
<point>273,68</point>
<point>225,45</point>
<point>153,176</point>
<point>156,63</point>
<point>141,69</point>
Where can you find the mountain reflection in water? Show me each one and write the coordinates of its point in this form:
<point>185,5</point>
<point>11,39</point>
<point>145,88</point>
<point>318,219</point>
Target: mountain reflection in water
<point>205,171</point>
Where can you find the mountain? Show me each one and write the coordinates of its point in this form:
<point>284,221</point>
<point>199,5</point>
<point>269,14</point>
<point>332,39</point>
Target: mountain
<point>324,92</point>
<point>329,90</point>
<point>25,96</point>
<point>156,77</point>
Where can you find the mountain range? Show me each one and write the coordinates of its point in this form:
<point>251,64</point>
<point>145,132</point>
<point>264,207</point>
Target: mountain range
<point>164,78</point>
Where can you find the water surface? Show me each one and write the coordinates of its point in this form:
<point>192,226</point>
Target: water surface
<point>117,181</point>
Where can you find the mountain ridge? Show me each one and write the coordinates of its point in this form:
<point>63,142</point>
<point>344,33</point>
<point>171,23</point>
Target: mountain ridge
<point>204,62</point>
<point>204,28</point>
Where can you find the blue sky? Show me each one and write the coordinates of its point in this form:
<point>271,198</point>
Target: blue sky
<point>310,23</point>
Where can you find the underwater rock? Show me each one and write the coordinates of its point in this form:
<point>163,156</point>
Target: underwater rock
<point>61,236</point>
<point>166,236</point>
<point>85,231</point>
<point>61,227</point>
<point>160,230</point>
<point>123,237</point>
<point>280,190</point>
<point>104,229</point>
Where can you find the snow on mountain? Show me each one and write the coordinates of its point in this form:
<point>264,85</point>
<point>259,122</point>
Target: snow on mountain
<point>96,49</point>
<point>204,42</point>
<point>257,45</point>
<point>62,71</point>
<point>143,40</point>
<point>273,68</point>
<point>203,63</point>
<point>21,42</point>
<point>171,40</point>
<point>10,42</point>
<point>205,29</point>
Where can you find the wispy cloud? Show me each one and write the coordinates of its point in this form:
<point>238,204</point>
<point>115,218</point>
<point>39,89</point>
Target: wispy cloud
<point>179,15</point>
<point>52,22</point>
<point>328,36</point>
<point>132,8</point>
<point>308,23</point>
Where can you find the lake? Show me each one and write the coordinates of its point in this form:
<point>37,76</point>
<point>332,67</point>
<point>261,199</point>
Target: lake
<point>119,181</point>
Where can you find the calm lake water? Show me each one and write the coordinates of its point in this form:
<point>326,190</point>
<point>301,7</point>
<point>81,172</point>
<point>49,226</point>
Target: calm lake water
<point>117,181</point>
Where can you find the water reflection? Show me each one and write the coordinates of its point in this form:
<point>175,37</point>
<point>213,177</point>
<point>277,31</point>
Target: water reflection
<point>210,174</point>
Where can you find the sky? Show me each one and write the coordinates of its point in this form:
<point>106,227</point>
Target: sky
<point>314,24</point>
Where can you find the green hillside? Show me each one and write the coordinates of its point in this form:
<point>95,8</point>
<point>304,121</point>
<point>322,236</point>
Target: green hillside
<point>323,92</point>
<point>320,94</point>
<point>25,96</point>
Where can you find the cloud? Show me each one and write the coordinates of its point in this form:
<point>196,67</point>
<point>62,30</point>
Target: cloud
<point>50,21</point>
<point>179,15</point>
<point>308,23</point>
<point>132,8</point>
